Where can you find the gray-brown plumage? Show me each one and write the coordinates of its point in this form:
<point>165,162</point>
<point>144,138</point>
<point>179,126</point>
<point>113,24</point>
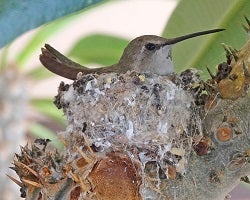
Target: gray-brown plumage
<point>144,54</point>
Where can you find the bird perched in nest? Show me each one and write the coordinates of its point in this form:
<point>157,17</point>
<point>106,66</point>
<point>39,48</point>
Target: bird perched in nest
<point>144,54</point>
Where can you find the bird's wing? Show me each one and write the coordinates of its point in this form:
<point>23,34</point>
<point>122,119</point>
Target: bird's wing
<point>59,64</point>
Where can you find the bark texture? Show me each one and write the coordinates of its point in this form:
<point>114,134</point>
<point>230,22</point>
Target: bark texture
<point>13,101</point>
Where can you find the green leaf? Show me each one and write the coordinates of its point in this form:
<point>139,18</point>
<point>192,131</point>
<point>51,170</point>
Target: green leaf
<point>41,131</point>
<point>17,16</point>
<point>39,73</point>
<point>3,58</point>
<point>196,15</point>
<point>46,107</point>
<point>42,34</point>
<point>98,48</point>
<point>40,37</point>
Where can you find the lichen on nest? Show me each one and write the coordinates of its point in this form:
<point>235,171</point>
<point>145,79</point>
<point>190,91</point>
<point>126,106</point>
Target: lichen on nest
<point>132,111</point>
<point>139,136</point>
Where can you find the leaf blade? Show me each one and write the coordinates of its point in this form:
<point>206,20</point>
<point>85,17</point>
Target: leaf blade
<point>99,49</point>
<point>46,107</point>
<point>191,16</point>
<point>16,16</point>
<point>41,131</point>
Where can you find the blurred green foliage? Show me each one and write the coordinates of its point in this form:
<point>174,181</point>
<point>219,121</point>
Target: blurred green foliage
<point>189,16</point>
<point>17,16</point>
<point>98,48</point>
<point>196,15</point>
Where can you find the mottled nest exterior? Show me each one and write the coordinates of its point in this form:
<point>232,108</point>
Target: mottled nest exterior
<point>142,136</point>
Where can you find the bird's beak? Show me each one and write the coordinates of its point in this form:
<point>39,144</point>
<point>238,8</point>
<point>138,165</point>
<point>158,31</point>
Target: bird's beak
<point>188,36</point>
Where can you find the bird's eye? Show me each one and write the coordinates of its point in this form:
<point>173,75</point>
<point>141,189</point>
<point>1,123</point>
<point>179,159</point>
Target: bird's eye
<point>150,46</point>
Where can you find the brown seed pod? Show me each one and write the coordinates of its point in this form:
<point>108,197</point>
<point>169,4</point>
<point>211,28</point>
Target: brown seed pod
<point>232,88</point>
<point>115,177</point>
<point>234,85</point>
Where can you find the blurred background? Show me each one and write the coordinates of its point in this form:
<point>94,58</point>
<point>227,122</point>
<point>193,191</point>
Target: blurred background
<point>96,36</point>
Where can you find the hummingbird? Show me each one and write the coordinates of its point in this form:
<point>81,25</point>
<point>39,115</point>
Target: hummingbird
<point>144,54</point>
